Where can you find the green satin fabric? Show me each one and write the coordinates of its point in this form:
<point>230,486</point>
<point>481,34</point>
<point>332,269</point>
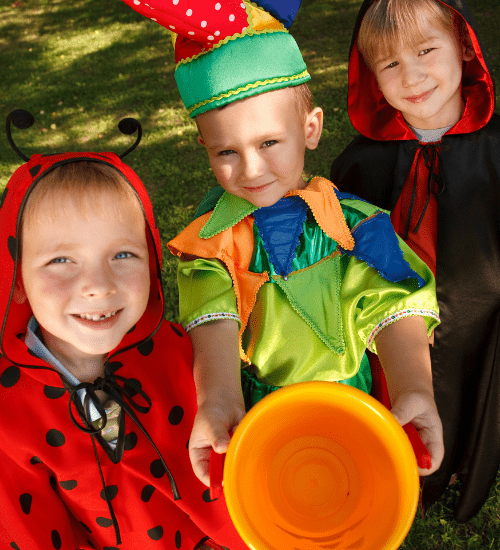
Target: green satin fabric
<point>254,390</point>
<point>205,287</point>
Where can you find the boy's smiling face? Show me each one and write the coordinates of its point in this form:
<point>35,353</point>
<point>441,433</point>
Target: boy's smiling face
<point>86,278</point>
<point>256,146</point>
<point>425,82</point>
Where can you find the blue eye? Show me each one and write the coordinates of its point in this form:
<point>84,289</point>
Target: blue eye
<point>61,260</point>
<point>391,65</point>
<point>426,51</point>
<point>226,153</point>
<point>269,143</point>
<point>123,255</point>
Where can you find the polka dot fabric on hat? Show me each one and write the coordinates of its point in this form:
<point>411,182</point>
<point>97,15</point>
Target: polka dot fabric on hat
<point>51,494</point>
<point>205,23</point>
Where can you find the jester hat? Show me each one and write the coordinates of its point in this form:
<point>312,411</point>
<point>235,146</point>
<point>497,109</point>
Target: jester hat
<point>226,50</point>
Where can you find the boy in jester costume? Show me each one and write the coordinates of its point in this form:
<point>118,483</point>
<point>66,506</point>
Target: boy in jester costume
<point>283,280</point>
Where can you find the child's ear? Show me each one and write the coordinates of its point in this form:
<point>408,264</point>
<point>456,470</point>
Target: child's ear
<point>19,294</point>
<point>200,140</point>
<point>314,127</point>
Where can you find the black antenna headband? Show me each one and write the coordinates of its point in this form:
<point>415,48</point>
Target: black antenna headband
<point>23,119</point>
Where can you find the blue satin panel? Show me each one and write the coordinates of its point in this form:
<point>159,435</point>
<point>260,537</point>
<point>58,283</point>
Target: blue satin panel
<point>378,246</point>
<point>280,227</point>
<point>284,11</point>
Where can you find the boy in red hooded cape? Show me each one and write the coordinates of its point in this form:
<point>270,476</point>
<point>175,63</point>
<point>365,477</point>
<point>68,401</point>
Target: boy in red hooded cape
<point>97,398</point>
<point>422,97</point>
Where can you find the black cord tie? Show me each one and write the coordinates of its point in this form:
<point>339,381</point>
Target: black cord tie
<point>435,184</point>
<point>123,395</point>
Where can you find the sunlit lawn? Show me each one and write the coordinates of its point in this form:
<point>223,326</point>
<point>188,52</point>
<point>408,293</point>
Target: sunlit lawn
<point>81,66</point>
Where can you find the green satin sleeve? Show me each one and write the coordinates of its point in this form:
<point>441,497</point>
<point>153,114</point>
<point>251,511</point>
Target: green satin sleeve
<point>372,302</point>
<point>205,293</point>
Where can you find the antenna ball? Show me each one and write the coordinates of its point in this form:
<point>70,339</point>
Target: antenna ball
<point>21,119</point>
<point>128,126</point>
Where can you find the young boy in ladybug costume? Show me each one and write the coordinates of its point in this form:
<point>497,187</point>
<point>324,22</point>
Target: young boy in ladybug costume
<point>282,280</point>
<point>421,95</point>
<point>97,398</point>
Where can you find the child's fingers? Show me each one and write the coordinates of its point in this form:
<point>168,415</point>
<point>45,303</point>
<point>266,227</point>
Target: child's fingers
<point>200,461</point>
<point>422,413</point>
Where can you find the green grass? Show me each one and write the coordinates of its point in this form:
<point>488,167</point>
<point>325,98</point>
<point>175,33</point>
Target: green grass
<point>81,66</point>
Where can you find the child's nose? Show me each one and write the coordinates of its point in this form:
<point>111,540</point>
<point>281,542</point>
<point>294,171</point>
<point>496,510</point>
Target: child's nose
<point>252,165</point>
<point>412,75</point>
<point>97,281</point>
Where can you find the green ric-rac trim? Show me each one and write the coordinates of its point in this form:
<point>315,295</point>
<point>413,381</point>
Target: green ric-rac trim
<point>249,87</point>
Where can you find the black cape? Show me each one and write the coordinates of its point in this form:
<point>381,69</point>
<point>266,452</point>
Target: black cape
<point>466,352</point>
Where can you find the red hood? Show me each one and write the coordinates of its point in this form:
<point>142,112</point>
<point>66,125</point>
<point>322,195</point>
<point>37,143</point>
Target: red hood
<point>373,117</point>
<point>15,316</point>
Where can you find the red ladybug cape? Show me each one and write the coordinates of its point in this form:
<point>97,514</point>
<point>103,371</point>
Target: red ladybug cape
<point>52,494</point>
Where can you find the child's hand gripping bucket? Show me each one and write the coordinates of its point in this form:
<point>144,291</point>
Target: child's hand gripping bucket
<point>319,465</point>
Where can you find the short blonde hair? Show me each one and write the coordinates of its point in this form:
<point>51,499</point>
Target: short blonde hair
<point>394,24</point>
<point>89,187</point>
<point>303,99</point>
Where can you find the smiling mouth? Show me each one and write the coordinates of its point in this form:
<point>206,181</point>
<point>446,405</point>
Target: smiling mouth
<point>98,320</point>
<point>258,189</point>
<point>96,316</point>
<point>420,97</point>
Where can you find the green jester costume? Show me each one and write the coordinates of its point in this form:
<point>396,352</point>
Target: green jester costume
<point>309,306</point>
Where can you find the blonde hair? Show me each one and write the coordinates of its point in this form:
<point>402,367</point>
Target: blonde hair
<point>303,99</point>
<point>400,24</point>
<point>89,187</point>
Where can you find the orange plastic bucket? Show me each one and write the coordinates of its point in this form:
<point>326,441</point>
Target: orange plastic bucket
<point>320,465</point>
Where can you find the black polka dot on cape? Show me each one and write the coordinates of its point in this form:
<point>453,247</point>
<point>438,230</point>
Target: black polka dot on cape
<point>133,386</point>
<point>56,539</point>
<point>176,330</point>
<point>104,522</point>
<point>12,246</point>
<point>25,501</point>
<point>146,347</point>
<point>53,392</point>
<point>4,196</point>
<point>130,441</point>
<point>34,170</point>
<point>206,496</point>
<point>157,469</point>
<point>55,438</point>
<point>147,493</point>
<point>110,548</point>
<point>35,460</point>
<point>132,329</point>
<point>178,539</point>
<point>10,376</point>
<point>175,415</point>
<point>115,365</point>
<point>14,545</point>
<point>86,527</point>
<point>112,492</point>
<point>156,533</point>
<point>68,485</point>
